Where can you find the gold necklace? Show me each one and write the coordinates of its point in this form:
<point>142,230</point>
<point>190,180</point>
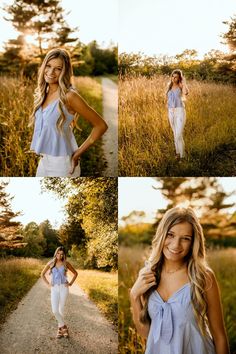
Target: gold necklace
<point>174,271</point>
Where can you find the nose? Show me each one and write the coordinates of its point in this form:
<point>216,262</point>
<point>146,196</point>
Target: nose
<point>175,243</point>
<point>51,71</point>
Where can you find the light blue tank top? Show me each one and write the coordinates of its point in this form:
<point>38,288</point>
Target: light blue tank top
<point>173,327</point>
<point>174,98</point>
<point>58,275</point>
<point>46,138</point>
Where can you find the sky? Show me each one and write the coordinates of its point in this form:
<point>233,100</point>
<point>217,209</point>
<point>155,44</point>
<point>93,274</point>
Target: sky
<point>97,20</point>
<point>171,26</point>
<point>35,205</point>
<point>137,193</point>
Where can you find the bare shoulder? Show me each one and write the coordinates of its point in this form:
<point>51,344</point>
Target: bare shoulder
<point>72,95</point>
<point>69,265</point>
<point>211,283</point>
<point>50,263</point>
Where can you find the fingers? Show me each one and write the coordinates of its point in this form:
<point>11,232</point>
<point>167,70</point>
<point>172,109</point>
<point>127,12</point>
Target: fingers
<point>73,165</point>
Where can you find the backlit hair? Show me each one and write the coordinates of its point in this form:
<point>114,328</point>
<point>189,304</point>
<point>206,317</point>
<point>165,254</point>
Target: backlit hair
<point>197,268</point>
<point>170,84</point>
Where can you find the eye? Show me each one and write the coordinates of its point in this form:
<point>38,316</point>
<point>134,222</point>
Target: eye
<point>170,235</point>
<point>187,238</point>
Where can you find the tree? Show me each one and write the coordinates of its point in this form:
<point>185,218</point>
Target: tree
<point>10,231</point>
<point>230,36</point>
<point>41,17</point>
<point>92,203</point>
<point>51,237</point>
<point>36,243</point>
<point>202,193</point>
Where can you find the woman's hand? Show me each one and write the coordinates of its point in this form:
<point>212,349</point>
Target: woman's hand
<point>146,279</point>
<point>74,162</point>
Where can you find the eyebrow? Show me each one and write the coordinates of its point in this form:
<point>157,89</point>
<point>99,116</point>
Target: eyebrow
<point>172,232</point>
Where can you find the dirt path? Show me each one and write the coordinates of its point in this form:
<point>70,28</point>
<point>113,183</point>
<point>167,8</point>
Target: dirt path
<point>31,328</point>
<point>110,114</point>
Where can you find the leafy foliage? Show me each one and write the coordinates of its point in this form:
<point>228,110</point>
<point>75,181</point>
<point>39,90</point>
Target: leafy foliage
<point>91,219</point>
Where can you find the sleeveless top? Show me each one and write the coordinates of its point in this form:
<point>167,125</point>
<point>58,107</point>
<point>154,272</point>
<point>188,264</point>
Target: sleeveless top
<point>58,275</point>
<point>47,139</point>
<point>173,328</point>
<point>174,98</point>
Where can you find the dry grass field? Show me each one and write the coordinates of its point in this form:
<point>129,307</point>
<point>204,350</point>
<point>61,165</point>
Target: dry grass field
<point>146,145</point>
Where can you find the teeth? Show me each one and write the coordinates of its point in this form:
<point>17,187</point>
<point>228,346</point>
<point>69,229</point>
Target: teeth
<point>175,252</point>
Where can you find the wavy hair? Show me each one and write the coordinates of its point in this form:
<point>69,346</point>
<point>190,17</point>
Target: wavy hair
<point>54,261</point>
<point>64,84</point>
<point>197,268</point>
<point>170,84</point>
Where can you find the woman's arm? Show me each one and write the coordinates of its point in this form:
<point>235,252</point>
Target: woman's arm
<point>184,87</point>
<point>145,281</point>
<point>44,271</point>
<point>215,316</point>
<point>77,104</point>
<point>72,269</point>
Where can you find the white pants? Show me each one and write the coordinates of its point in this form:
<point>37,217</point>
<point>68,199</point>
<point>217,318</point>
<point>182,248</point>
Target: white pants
<point>177,119</point>
<point>56,166</point>
<point>59,295</point>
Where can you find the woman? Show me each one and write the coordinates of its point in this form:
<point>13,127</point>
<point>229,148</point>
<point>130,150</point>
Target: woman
<point>56,109</point>
<point>175,299</point>
<point>176,91</point>
<point>59,287</point>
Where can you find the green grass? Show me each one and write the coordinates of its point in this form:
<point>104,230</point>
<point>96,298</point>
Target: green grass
<point>131,259</point>
<point>92,162</point>
<point>101,287</point>
<point>17,276</point>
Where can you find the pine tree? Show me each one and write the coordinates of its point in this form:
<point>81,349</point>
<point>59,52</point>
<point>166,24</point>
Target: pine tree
<point>41,17</point>
<point>10,236</point>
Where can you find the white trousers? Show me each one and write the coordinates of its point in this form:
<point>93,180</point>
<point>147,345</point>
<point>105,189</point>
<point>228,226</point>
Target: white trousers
<point>59,295</point>
<point>177,119</point>
<point>56,166</point>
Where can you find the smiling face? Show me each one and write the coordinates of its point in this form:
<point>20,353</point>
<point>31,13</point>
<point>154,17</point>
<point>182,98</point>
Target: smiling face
<point>178,242</point>
<point>53,70</point>
<point>175,78</point>
<point>60,256</point>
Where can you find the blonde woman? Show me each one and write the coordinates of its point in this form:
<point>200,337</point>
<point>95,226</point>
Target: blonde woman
<point>56,109</point>
<point>59,285</point>
<point>175,300</point>
<point>176,92</point>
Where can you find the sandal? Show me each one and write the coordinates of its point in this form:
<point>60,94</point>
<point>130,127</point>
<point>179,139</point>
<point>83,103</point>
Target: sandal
<point>59,332</point>
<point>65,332</point>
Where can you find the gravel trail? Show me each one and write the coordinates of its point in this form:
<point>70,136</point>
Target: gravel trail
<point>110,138</point>
<point>31,328</point>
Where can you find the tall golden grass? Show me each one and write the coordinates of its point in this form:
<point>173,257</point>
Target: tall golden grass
<point>131,260</point>
<point>102,288</point>
<point>146,145</point>
<point>16,103</point>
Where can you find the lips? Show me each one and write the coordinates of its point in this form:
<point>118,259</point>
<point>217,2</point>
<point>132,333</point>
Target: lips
<point>174,252</point>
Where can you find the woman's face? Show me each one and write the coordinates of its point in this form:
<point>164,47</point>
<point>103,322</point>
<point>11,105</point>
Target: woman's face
<point>175,78</point>
<point>178,241</point>
<point>53,70</point>
<point>60,255</point>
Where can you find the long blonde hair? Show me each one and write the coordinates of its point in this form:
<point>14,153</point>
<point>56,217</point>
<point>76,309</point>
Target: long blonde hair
<point>170,84</point>
<point>197,268</point>
<point>54,260</point>
<point>64,83</point>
